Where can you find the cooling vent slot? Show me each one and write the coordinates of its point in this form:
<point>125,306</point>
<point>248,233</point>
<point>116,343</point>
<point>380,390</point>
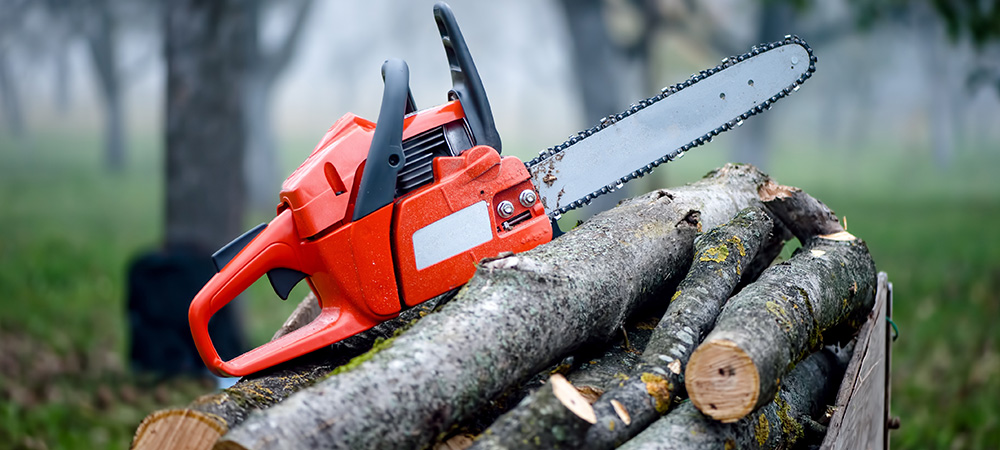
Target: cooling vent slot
<point>419,151</point>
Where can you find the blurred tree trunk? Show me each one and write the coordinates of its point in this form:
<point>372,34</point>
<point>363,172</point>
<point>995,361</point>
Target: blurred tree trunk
<point>596,63</point>
<point>101,43</point>
<point>943,83</point>
<point>262,167</point>
<point>206,46</point>
<point>753,142</point>
<point>598,67</point>
<point>10,99</point>
<point>61,77</point>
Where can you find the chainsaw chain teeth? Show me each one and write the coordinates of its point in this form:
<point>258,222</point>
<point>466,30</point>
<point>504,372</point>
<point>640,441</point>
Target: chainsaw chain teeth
<point>677,153</point>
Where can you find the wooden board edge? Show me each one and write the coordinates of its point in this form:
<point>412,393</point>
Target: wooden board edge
<point>868,345</point>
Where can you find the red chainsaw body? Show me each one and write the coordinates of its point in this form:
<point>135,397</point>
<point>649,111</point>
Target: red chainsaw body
<point>365,271</point>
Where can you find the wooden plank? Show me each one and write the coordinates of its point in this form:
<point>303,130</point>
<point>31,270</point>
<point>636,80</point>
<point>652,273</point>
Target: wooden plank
<point>859,421</point>
<point>889,333</point>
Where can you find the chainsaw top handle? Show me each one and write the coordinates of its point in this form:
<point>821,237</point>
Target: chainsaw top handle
<point>467,87</point>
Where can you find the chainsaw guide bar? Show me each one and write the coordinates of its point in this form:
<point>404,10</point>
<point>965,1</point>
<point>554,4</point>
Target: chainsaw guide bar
<point>564,174</point>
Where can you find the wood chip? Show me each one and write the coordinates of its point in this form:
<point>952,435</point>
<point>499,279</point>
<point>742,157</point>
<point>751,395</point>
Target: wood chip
<point>621,411</point>
<point>457,442</point>
<point>571,398</point>
<point>590,393</point>
<point>841,236</point>
<point>675,366</point>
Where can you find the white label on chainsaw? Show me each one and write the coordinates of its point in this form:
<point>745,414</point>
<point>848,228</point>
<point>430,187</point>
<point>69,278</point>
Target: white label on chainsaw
<point>453,234</point>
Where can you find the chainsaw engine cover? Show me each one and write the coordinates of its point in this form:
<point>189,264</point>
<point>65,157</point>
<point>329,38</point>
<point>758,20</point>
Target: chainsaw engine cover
<point>321,192</point>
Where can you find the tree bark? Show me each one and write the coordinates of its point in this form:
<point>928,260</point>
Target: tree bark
<point>803,215</point>
<point>772,324</point>
<point>597,370</point>
<point>206,47</point>
<point>657,383</point>
<point>554,416</point>
<point>781,424</point>
<point>203,421</point>
<point>517,315</point>
<point>592,370</point>
<point>647,391</point>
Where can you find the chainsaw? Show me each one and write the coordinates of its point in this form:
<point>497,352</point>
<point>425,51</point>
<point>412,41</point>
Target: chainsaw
<point>383,216</point>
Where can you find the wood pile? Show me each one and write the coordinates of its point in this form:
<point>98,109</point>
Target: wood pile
<point>665,322</point>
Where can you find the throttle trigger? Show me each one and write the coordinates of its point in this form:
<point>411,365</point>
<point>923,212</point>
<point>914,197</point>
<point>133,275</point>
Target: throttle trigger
<point>229,251</point>
<point>283,280</point>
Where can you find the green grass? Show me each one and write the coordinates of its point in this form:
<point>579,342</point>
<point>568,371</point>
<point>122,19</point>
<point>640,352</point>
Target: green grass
<point>68,231</point>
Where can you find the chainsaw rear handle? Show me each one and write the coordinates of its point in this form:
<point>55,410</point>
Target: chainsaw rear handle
<point>274,247</point>
<point>467,86</point>
<point>276,251</point>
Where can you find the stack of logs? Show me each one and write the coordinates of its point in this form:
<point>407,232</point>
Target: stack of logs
<point>665,322</point>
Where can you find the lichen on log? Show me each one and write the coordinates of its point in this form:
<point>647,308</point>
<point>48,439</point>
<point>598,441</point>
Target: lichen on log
<point>721,257</point>
<point>517,315</point>
<point>782,423</point>
<point>646,392</point>
<point>772,324</point>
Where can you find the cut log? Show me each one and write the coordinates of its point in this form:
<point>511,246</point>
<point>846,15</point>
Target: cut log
<point>591,373</point>
<point>804,215</point>
<point>722,255</point>
<point>647,392</point>
<point>554,416</point>
<point>596,372</point>
<point>772,324</point>
<point>200,424</point>
<point>782,423</point>
<point>517,315</point>
<point>591,370</point>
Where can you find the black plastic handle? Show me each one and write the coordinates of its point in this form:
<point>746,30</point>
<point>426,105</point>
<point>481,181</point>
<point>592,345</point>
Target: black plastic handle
<point>465,81</point>
<point>385,156</point>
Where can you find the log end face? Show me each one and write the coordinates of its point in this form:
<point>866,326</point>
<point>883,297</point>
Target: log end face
<point>228,445</point>
<point>178,428</point>
<point>722,381</point>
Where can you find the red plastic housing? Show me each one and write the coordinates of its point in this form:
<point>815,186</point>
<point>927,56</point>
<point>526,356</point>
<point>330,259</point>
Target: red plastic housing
<point>438,231</point>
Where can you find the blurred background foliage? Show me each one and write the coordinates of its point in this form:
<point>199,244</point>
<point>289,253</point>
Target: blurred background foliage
<point>897,131</point>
